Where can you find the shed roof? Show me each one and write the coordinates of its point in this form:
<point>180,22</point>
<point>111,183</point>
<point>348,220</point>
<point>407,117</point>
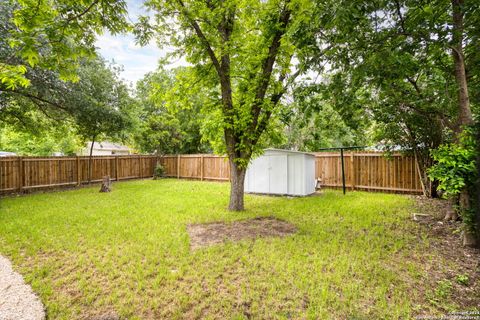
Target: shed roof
<point>273,150</point>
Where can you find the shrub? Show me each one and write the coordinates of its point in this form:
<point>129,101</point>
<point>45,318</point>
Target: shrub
<point>158,172</point>
<point>455,165</point>
<point>455,170</point>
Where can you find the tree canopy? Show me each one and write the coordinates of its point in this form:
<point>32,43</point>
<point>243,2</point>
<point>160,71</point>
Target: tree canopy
<point>53,34</point>
<point>169,124</point>
<point>242,51</point>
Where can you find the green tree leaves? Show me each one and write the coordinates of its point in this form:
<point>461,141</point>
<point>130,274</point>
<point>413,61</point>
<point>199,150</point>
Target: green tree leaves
<point>102,106</point>
<point>171,117</point>
<point>54,34</point>
<point>455,166</point>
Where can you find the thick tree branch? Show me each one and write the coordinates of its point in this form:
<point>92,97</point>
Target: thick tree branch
<point>269,61</point>
<point>202,38</point>
<point>266,73</point>
<point>81,14</point>
<point>400,16</point>
<point>225,28</point>
<point>414,83</point>
<point>223,69</point>
<point>274,99</point>
<point>36,98</point>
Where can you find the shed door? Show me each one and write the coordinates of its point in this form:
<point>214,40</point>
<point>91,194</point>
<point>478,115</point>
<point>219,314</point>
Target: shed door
<point>260,172</point>
<point>278,174</point>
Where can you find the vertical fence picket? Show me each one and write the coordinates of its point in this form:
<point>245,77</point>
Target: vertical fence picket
<point>21,174</point>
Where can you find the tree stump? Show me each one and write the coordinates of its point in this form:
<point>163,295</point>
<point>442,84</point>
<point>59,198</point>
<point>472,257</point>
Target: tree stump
<point>106,184</point>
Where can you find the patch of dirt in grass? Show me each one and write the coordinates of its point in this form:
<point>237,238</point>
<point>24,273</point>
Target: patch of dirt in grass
<point>451,262</point>
<point>105,316</point>
<point>203,235</point>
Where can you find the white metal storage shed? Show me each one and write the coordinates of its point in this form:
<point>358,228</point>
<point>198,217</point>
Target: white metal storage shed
<point>282,172</point>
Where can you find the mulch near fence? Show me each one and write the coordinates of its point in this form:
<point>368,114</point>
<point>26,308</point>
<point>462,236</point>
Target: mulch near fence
<point>369,171</point>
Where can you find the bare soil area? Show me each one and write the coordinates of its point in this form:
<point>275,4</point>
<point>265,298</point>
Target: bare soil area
<point>460,265</point>
<point>203,235</point>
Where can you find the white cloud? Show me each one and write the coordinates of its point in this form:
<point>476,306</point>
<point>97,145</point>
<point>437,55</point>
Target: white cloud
<point>136,60</point>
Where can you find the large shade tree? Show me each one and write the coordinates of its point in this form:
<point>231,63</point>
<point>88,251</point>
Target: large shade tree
<point>419,63</point>
<point>169,124</point>
<point>53,34</point>
<point>314,120</point>
<point>101,104</point>
<point>243,49</point>
<point>60,32</point>
<point>42,44</point>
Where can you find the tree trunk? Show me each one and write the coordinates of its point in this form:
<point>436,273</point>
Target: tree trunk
<point>106,184</point>
<point>237,182</point>
<point>464,111</point>
<point>451,214</point>
<point>477,188</point>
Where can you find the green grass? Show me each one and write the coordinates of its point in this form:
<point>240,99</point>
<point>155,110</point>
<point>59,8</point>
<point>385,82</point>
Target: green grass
<point>127,253</point>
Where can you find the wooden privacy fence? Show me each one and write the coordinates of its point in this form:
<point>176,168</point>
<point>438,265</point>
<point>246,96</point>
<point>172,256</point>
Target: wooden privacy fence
<point>363,170</point>
<point>18,174</point>
<point>369,171</point>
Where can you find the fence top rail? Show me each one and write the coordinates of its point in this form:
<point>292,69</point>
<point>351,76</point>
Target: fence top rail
<point>130,156</point>
<point>198,155</point>
<point>49,159</point>
<point>109,156</point>
<point>360,154</point>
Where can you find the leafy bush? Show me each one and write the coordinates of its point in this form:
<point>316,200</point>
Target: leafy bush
<point>455,169</point>
<point>159,171</point>
<point>455,165</point>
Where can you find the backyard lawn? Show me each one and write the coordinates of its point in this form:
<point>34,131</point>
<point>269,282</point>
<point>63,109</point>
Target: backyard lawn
<point>126,254</point>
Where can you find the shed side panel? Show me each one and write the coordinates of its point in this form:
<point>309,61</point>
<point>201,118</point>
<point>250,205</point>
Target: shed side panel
<point>309,175</point>
<point>257,176</point>
<point>277,172</point>
<point>295,174</point>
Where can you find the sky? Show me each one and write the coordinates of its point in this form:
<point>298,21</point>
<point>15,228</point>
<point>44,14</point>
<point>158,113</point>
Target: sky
<point>136,60</point>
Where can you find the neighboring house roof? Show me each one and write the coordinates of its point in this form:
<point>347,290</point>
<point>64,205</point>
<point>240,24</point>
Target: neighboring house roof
<point>7,154</point>
<point>105,145</point>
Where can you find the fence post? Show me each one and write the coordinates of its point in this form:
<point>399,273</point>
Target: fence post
<point>79,172</point>
<point>140,166</point>
<point>394,171</point>
<point>178,166</point>
<point>352,163</point>
<point>21,174</point>
<point>343,170</point>
<point>116,168</point>
<point>201,167</point>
